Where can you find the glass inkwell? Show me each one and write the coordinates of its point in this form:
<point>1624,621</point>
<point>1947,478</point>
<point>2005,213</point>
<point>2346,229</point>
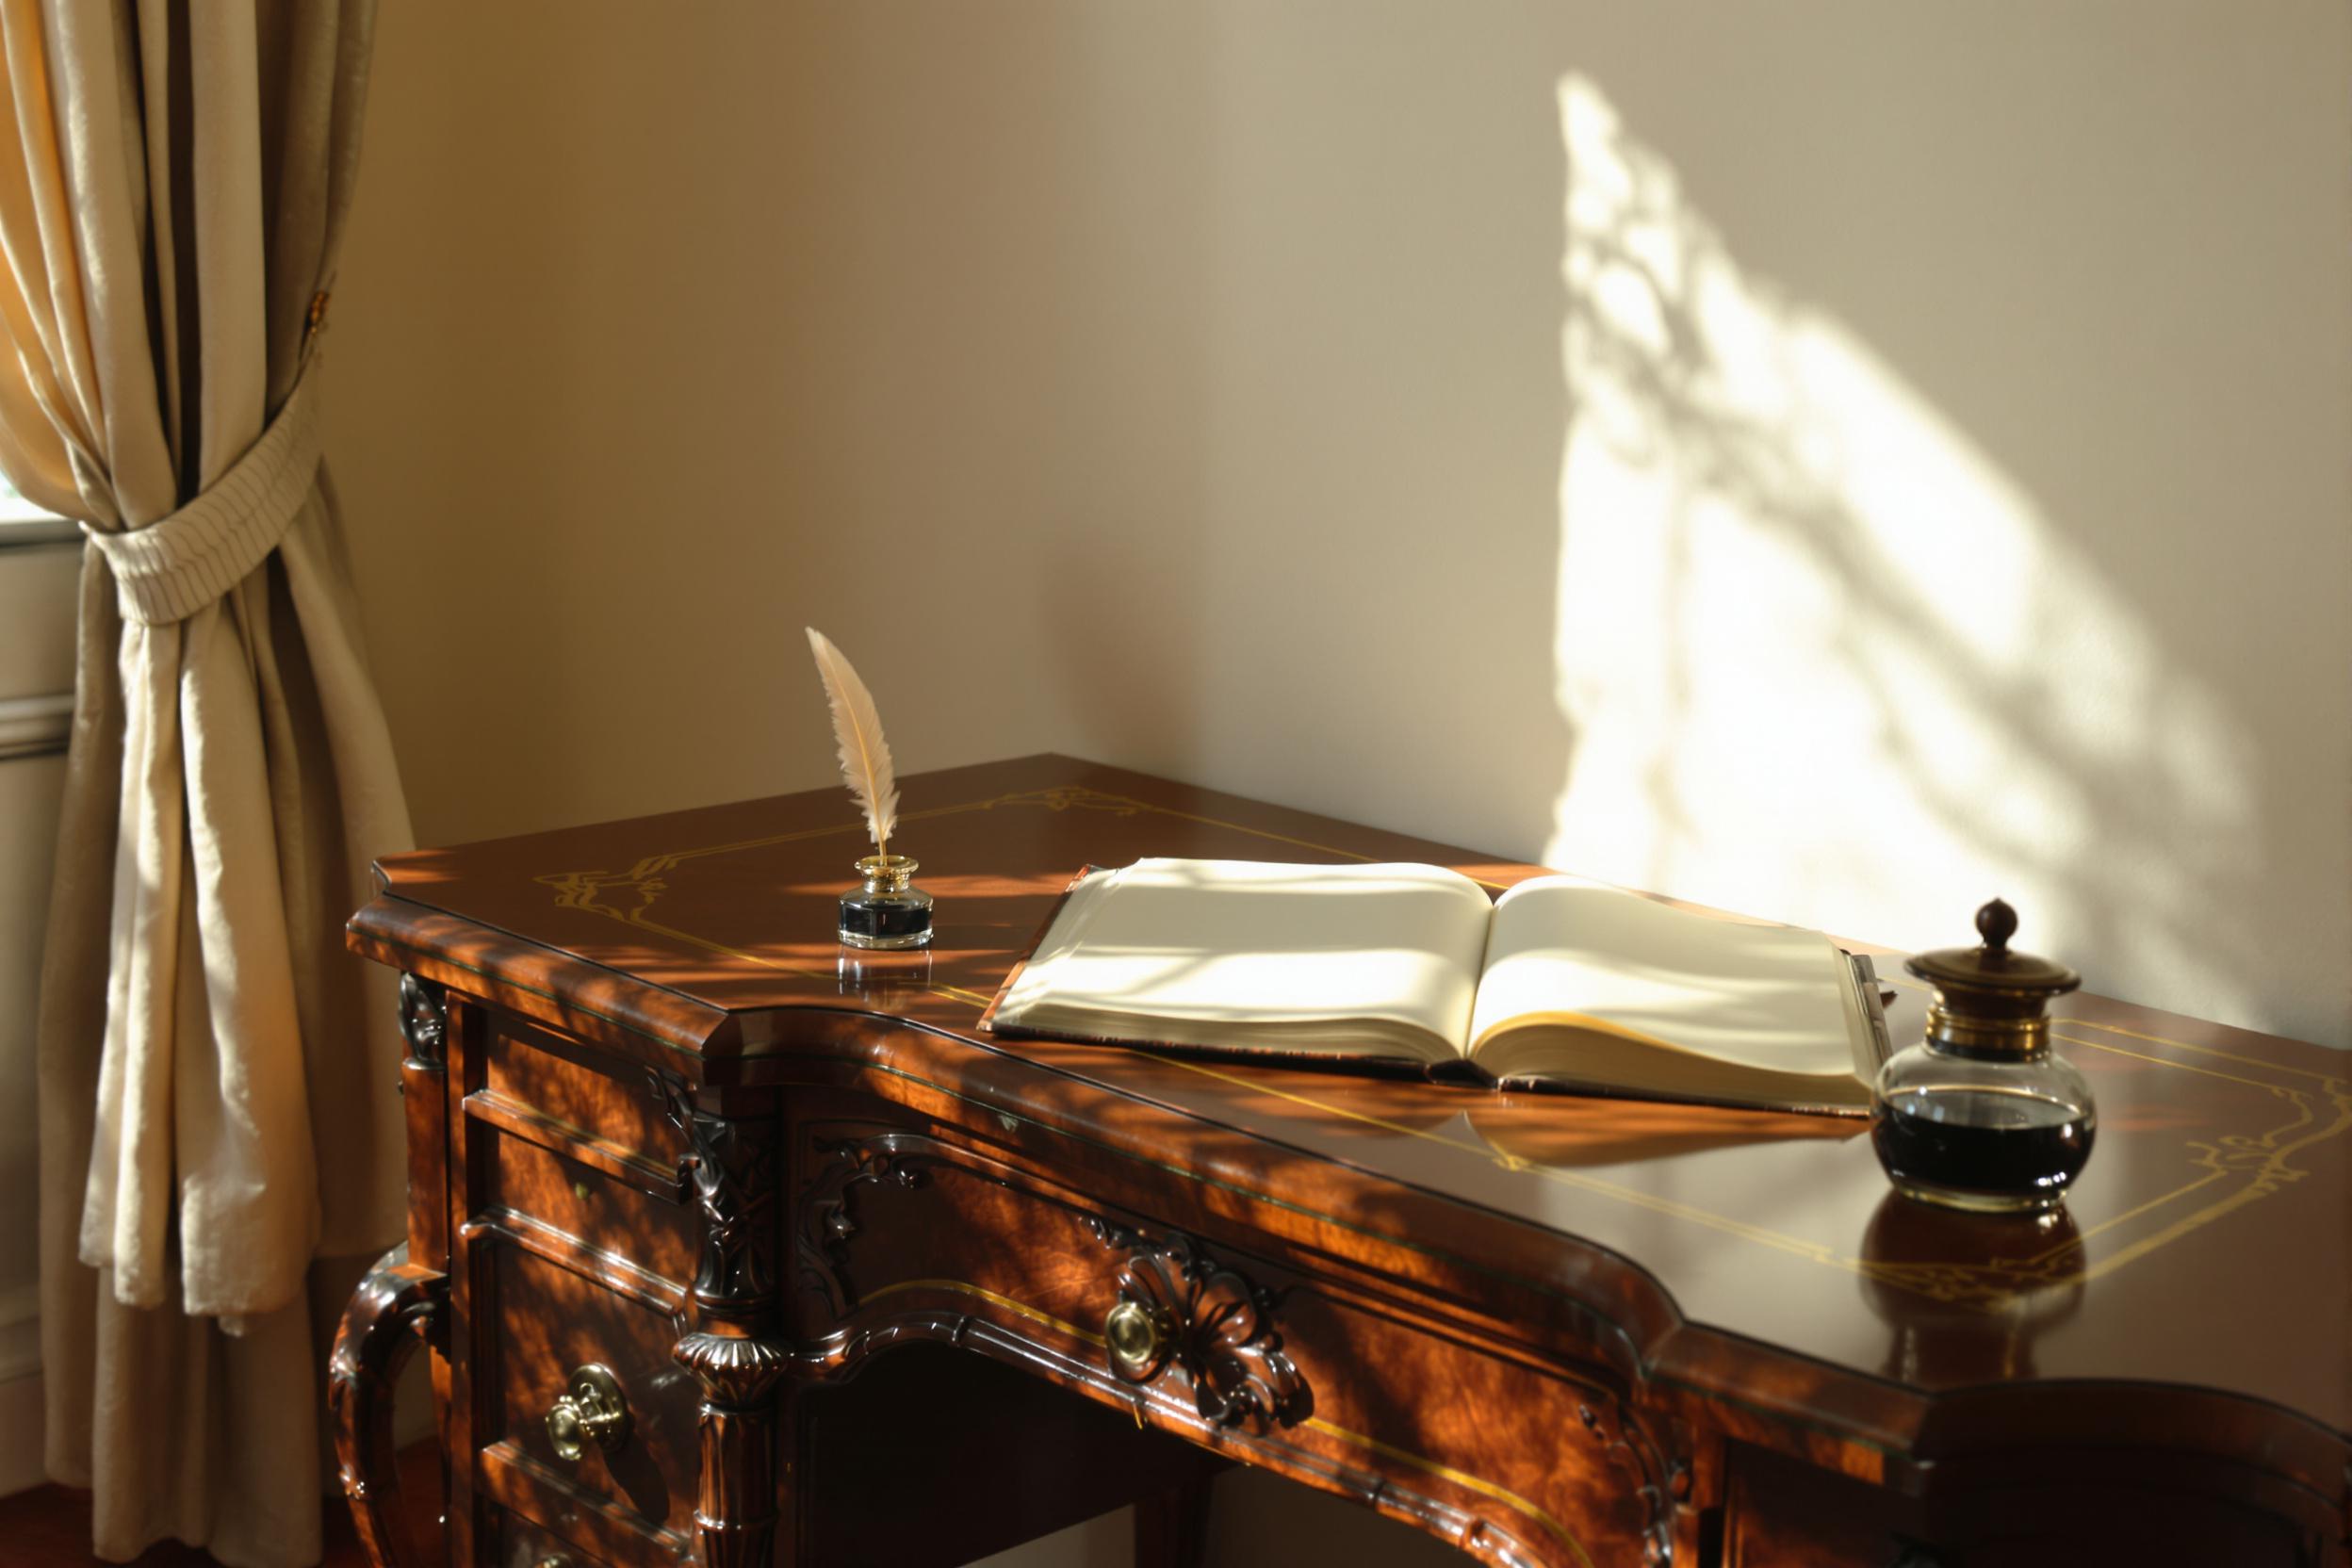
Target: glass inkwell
<point>1983,1114</point>
<point>888,911</point>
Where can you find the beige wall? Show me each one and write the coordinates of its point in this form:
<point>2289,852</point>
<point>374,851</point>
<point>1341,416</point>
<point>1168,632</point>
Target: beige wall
<point>37,599</point>
<point>1834,460</point>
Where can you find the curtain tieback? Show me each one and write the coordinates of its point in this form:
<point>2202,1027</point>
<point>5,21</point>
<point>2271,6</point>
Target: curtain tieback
<point>173,567</point>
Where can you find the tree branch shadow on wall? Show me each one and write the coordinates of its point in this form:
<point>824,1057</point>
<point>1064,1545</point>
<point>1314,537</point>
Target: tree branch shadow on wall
<point>1811,634</point>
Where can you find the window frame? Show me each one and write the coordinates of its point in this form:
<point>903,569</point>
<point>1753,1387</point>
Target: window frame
<point>35,724</point>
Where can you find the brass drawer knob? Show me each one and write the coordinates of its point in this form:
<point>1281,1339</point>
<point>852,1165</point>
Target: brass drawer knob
<point>593,1409</point>
<point>1137,1338</point>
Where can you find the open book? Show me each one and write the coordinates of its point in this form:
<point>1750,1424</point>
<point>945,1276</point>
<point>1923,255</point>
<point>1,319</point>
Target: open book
<point>1559,983</point>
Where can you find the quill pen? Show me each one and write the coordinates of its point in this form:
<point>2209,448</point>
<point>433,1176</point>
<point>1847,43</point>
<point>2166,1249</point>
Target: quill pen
<point>865,756</point>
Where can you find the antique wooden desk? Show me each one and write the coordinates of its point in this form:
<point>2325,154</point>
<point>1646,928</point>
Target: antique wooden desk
<point>660,1124</point>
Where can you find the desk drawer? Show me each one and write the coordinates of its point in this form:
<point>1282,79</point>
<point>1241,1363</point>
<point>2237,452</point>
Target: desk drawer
<point>632,1502</point>
<point>596,1096</point>
<point>524,1544</point>
<point>624,1210</point>
<point>553,1322</point>
<point>578,1246</point>
<point>906,1237</point>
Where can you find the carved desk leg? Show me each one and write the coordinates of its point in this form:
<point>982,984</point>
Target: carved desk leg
<point>395,1307</point>
<point>734,1352</point>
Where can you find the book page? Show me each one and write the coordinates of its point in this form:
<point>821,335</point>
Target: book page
<point>1261,952</point>
<point>1600,959</point>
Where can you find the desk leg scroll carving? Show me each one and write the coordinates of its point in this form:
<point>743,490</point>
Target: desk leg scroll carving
<point>732,1164</point>
<point>425,1021</point>
<point>734,1352</point>
<point>735,1512</point>
<point>398,1306</point>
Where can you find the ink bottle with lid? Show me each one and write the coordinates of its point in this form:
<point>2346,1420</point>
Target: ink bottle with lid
<point>1981,1114</point>
<point>888,911</point>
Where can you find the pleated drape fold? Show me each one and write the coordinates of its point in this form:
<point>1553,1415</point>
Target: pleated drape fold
<point>220,1129</point>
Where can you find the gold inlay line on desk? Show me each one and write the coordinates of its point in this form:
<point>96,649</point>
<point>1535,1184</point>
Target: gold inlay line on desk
<point>2261,1156</point>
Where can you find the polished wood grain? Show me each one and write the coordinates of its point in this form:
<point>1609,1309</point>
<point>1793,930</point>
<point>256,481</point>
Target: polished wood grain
<point>395,1305</point>
<point>1553,1330</point>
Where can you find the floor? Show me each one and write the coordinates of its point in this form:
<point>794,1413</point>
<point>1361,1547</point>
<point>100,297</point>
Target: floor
<point>1258,1519</point>
<point>49,1526</point>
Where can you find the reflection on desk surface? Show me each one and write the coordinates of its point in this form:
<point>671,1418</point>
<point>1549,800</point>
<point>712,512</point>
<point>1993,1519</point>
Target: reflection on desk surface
<point>2208,1230</point>
<point>1952,1328</point>
<point>2213,1168</point>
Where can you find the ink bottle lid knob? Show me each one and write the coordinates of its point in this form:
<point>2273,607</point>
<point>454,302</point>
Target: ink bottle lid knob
<point>1990,997</point>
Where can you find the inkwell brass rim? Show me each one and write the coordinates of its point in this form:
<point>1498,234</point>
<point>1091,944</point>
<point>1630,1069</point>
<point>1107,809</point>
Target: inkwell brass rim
<point>1989,1001</point>
<point>1979,1036</point>
<point>887,873</point>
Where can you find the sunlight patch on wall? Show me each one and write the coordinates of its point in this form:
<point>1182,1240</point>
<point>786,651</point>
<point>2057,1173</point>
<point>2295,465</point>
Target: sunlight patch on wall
<point>1822,661</point>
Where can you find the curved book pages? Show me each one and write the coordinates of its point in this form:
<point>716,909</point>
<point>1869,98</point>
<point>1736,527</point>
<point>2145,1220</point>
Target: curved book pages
<point>1560,983</point>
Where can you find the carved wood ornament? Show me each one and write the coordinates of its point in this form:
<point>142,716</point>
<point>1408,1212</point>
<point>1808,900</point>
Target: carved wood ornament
<point>424,1021</point>
<point>732,1163</point>
<point>1176,1307</point>
<point>826,1223</point>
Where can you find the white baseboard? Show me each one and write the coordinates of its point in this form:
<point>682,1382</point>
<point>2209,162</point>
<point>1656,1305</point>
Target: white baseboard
<point>21,1423</point>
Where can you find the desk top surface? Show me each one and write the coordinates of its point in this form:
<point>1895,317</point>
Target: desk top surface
<point>2206,1245</point>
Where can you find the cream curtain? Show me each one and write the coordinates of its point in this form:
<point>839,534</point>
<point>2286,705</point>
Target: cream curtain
<point>217,1116</point>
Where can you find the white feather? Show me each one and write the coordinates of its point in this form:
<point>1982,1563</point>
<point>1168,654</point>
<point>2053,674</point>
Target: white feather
<point>865,756</point>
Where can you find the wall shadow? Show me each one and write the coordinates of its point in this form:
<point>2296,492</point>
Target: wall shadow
<point>1828,659</point>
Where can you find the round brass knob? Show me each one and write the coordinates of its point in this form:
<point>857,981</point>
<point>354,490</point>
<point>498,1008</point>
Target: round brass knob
<point>1137,1339</point>
<point>564,1430</point>
<point>592,1410</point>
